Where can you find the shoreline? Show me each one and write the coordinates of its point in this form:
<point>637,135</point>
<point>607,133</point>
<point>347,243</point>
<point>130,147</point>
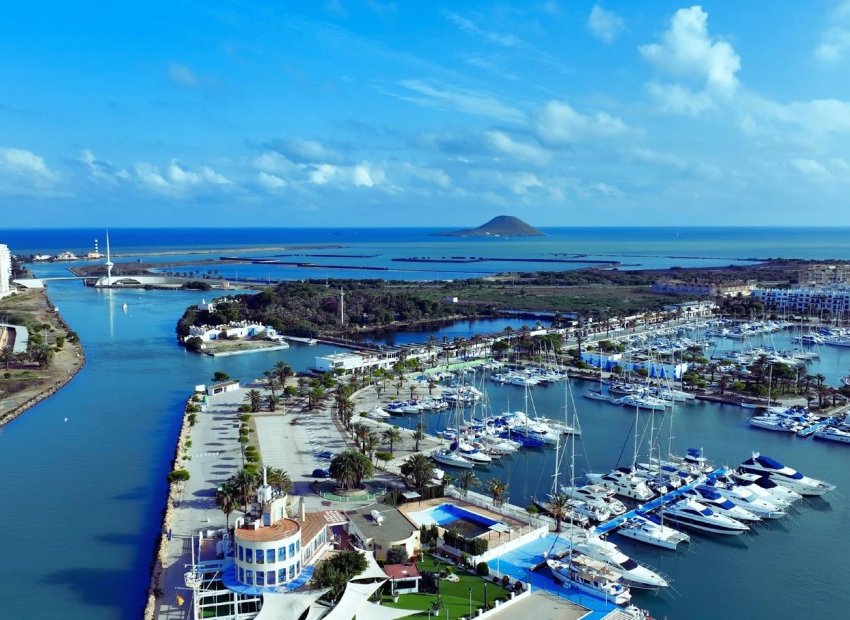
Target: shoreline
<point>7,416</point>
<point>161,545</point>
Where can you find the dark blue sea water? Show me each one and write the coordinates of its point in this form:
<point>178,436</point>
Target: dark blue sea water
<point>83,496</point>
<point>375,248</point>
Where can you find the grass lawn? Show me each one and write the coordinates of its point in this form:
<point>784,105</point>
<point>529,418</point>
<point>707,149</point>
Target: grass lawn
<point>454,595</point>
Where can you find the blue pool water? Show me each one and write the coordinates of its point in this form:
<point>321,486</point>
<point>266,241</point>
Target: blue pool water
<point>466,522</point>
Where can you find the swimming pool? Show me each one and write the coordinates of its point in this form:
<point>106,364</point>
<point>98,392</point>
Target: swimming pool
<point>468,523</point>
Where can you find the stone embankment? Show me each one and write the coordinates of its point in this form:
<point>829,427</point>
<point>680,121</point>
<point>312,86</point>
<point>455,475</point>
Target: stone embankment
<point>174,488</point>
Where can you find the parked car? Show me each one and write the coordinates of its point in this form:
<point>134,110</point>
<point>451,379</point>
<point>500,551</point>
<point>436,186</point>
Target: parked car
<point>321,473</point>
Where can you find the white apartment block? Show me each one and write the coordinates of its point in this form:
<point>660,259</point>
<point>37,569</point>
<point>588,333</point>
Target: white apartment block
<point>5,271</point>
<point>806,300</point>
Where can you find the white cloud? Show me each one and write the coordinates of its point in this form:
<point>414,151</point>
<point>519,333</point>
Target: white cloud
<point>460,100</point>
<point>835,40</point>
<point>680,99</point>
<point>271,182</point>
<point>303,150</point>
<point>812,169</point>
<point>182,75</point>
<point>558,123</point>
<point>274,163</point>
<point>177,179</point>
<point>503,143</point>
<point>102,170</point>
<point>25,163</point>
<point>687,49</point>
<point>550,7</point>
<point>605,25</point>
<point>467,25</point>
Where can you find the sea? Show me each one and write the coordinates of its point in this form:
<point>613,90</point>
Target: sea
<point>85,470</point>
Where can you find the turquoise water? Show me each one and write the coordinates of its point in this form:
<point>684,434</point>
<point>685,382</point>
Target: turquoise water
<point>83,496</point>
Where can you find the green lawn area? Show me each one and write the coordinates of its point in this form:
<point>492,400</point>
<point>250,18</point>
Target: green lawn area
<point>454,595</point>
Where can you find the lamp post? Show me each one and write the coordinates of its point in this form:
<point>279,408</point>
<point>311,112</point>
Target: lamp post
<point>485,595</point>
<point>470,603</point>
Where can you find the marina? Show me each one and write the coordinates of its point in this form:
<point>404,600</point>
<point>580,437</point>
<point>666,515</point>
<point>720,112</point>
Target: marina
<point>722,430</point>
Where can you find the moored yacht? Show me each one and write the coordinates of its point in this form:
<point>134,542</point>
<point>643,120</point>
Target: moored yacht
<point>691,514</point>
<point>645,530</point>
<point>624,482</point>
<point>631,573</point>
<point>596,495</point>
<point>590,576</point>
<point>785,476</point>
<point>720,504</point>
<point>448,457</point>
<point>833,433</point>
<point>747,499</point>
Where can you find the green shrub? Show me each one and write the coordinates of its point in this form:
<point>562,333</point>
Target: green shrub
<point>178,475</point>
<point>482,569</point>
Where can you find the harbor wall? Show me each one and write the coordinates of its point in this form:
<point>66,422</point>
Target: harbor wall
<point>159,555</point>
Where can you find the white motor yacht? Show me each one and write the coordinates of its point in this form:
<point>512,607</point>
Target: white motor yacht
<point>691,514</point>
<point>377,413</point>
<point>625,483</point>
<point>471,453</point>
<point>645,530</point>
<point>785,476</point>
<point>591,576</point>
<point>642,402</point>
<point>833,433</point>
<point>747,499</point>
<point>749,482</point>
<point>631,573</point>
<point>722,505</point>
<point>447,457</point>
<point>596,495</point>
<point>777,489</point>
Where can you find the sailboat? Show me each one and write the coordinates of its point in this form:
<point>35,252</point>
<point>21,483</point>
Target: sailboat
<point>450,456</point>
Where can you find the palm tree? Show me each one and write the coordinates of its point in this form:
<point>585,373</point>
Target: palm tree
<point>497,489</point>
<point>392,435</point>
<point>412,391</point>
<point>283,372</point>
<point>419,469</point>
<point>419,434</point>
<point>7,355</point>
<point>255,399</point>
<point>227,498</point>
<point>272,382</point>
<point>370,443</point>
<point>467,479</point>
<point>350,468</point>
<point>558,509</point>
<point>272,401</point>
<point>245,482</point>
<point>361,432</point>
<point>280,480</point>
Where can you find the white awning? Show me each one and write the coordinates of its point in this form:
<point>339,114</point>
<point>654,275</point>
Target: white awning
<point>371,611</point>
<point>356,594</point>
<point>373,570</point>
<point>285,606</point>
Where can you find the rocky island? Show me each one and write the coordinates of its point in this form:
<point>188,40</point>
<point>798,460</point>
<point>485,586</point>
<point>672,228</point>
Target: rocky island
<point>500,226</point>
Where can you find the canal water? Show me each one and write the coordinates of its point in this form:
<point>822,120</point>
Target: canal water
<point>85,477</point>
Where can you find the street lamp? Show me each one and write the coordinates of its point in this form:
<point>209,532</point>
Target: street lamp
<point>485,595</point>
<point>470,603</point>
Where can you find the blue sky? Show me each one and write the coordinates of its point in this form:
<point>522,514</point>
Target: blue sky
<point>369,112</point>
